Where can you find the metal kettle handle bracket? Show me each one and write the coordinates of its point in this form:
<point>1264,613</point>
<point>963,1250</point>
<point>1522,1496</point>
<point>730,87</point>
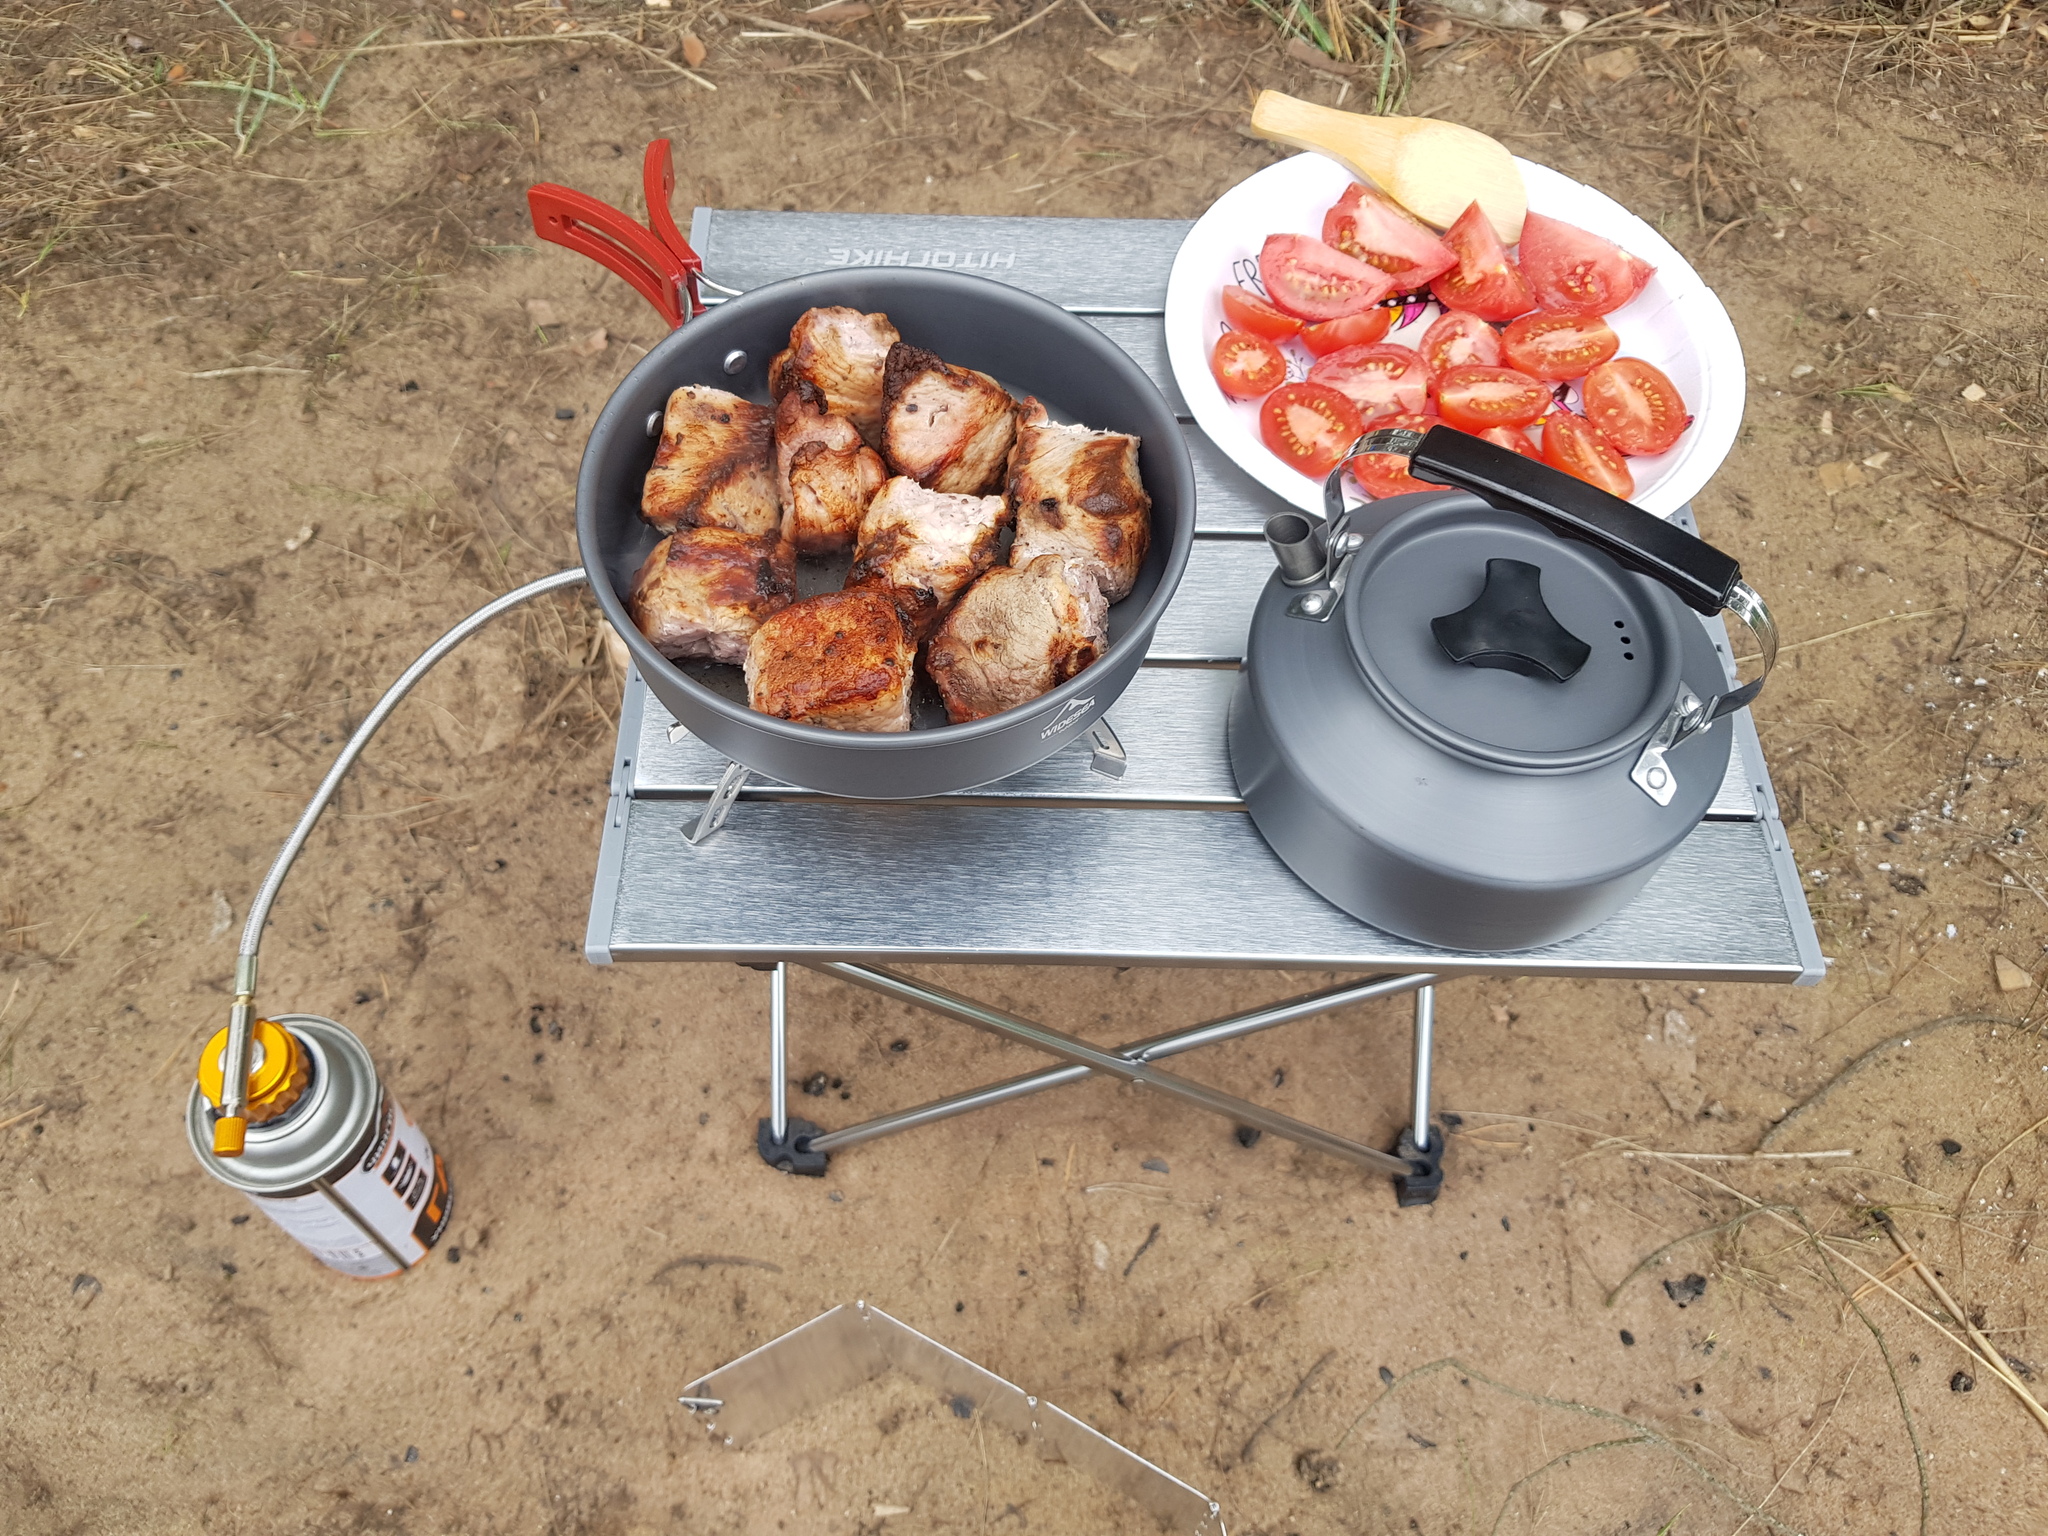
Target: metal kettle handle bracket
<point>659,262</point>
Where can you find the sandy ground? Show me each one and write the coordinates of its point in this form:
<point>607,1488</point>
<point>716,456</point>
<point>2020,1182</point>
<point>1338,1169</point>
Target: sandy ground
<point>206,580</point>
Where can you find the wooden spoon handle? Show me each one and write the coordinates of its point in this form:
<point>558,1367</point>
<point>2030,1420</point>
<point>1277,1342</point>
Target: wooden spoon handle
<point>1365,146</point>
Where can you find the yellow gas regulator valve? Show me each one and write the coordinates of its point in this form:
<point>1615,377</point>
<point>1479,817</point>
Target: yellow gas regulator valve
<point>278,1074</point>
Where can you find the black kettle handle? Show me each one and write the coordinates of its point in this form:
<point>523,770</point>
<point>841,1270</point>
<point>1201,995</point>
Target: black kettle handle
<point>1702,576</point>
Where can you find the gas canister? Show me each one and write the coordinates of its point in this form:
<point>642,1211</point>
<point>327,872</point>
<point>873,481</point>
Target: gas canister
<point>329,1155</point>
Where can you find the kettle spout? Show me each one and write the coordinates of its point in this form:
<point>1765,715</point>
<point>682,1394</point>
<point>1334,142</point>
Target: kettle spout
<point>1300,546</point>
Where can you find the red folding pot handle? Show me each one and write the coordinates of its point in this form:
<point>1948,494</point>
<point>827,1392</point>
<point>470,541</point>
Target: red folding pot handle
<point>658,263</point>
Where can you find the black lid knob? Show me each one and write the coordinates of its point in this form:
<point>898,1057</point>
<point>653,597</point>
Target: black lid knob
<point>1509,626</point>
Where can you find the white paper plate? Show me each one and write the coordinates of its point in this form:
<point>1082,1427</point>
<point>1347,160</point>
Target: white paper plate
<point>1675,323</point>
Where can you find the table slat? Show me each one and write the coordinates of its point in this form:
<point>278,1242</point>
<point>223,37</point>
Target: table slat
<point>1077,263</point>
<point>1102,887</point>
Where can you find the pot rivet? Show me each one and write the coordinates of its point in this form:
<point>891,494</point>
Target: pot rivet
<point>654,423</point>
<point>1657,778</point>
<point>1312,604</point>
<point>735,360</point>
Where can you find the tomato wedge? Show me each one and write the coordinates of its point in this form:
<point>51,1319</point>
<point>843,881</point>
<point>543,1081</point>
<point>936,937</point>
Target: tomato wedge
<point>1246,311</point>
<point>1382,234</point>
<point>1457,338</point>
<point>1485,282</point>
<point>1247,366</point>
<point>1309,426</point>
<point>1368,325</point>
<point>1634,406</point>
<point>1474,398</point>
<point>1571,444</point>
<point>1559,347</point>
<point>1379,379</point>
<point>1386,474</point>
<point>1573,271</point>
<point>1513,438</point>
<point>1310,281</point>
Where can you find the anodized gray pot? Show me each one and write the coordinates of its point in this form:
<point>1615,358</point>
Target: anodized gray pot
<point>1031,346</point>
<point>1457,793</point>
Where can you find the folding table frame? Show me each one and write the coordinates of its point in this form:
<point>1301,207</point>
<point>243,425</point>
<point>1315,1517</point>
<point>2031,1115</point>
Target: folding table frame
<point>1129,848</point>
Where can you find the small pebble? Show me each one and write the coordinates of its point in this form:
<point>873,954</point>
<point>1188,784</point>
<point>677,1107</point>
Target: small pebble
<point>454,1255</point>
<point>1386,1377</point>
<point>1962,1381</point>
<point>1950,1146</point>
<point>1155,1165</point>
<point>412,1453</point>
<point>899,1046</point>
<point>1628,1338</point>
<point>1248,1135</point>
<point>564,413</point>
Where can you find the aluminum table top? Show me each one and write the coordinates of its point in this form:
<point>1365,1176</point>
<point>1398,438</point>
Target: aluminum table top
<point>1063,864</point>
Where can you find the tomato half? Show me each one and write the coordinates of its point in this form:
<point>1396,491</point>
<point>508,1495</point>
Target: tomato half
<point>1474,398</point>
<point>1358,330</point>
<point>1382,234</point>
<point>1246,311</point>
<point>1310,281</point>
<point>1571,444</point>
<point>1247,367</point>
<point>1573,271</point>
<point>1485,282</point>
<point>1309,426</point>
<point>1379,379</point>
<point>1514,439</point>
<point>1458,338</point>
<point>1634,406</point>
<point>1386,474</point>
<point>1559,347</point>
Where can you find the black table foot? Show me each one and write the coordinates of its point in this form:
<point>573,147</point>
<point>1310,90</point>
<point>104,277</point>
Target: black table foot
<point>793,1153</point>
<point>1427,1181</point>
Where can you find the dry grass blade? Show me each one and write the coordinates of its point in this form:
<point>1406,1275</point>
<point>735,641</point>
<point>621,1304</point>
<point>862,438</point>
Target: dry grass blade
<point>582,35</point>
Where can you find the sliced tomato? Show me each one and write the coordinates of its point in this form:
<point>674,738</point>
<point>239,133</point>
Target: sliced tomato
<point>1246,366</point>
<point>1485,282</point>
<point>1310,281</point>
<point>1559,347</point>
<point>1571,444</point>
<point>1386,474</point>
<point>1513,438</point>
<point>1246,311</point>
<point>1573,271</point>
<point>1309,426</point>
<point>1382,234</point>
<point>1457,338</point>
<point>1358,330</point>
<point>1473,398</point>
<point>1380,379</point>
<point>1634,406</point>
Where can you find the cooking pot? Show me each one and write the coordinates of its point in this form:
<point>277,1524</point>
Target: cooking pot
<point>1029,345</point>
<point>1481,719</point>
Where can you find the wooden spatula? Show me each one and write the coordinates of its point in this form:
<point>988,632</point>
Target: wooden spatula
<point>1433,169</point>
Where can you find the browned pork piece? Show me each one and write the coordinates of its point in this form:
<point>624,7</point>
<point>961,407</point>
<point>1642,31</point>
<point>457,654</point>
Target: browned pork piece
<point>1020,631</point>
<point>1078,495</point>
<point>947,428</point>
<point>924,547</point>
<point>841,659</point>
<point>704,591</point>
<point>824,473</point>
<point>840,352</point>
<point>715,466</point>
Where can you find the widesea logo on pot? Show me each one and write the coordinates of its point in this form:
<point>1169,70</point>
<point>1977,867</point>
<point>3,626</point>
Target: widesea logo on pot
<point>1070,714</point>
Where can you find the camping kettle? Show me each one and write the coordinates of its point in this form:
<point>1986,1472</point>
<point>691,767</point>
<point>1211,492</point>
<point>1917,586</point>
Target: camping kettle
<point>1481,719</point>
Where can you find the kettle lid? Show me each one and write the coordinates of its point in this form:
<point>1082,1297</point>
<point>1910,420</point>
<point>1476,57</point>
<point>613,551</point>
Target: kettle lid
<point>1507,645</point>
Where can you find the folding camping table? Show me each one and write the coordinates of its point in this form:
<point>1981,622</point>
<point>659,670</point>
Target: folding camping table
<point>1128,848</point>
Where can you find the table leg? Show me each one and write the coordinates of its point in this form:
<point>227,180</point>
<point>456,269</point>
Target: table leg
<point>1421,1145</point>
<point>782,1142</point>
<point>1233,1028</point>
<point>1079,1052</point>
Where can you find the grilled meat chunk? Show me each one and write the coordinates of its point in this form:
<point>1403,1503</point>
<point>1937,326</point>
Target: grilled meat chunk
<point>704,591</point>
<point>840,352</point>
<point>1020,631</point>
<point>841,659</point>
<point>924,547</point>
<point>824,473</point>
<point>1078,495</point>
<point>715,467</point>
<point>947,428</point>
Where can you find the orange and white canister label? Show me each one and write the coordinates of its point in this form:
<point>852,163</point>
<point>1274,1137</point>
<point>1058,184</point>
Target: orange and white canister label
<point>379,1214</point>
